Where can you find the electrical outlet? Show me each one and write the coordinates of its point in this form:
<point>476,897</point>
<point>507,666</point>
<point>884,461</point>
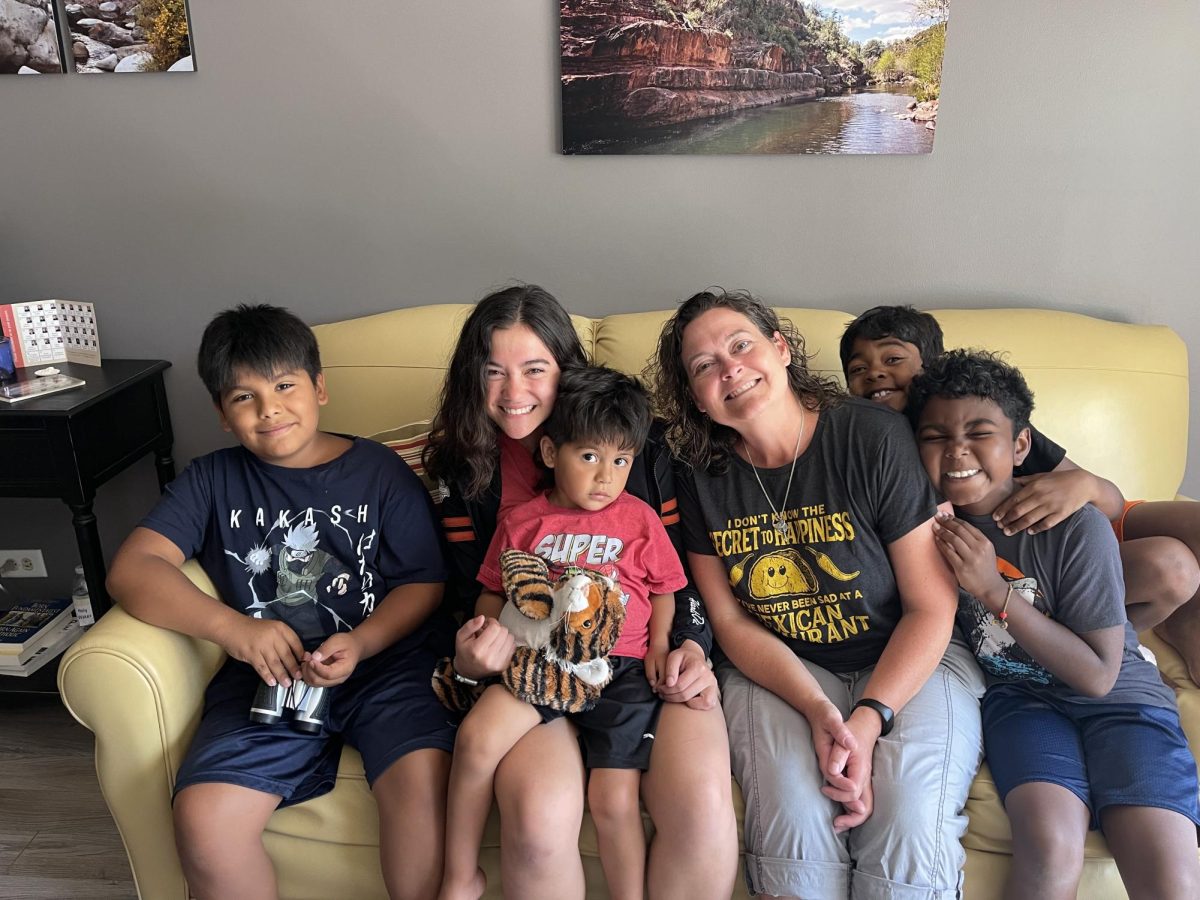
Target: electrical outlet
<point>22,564</point>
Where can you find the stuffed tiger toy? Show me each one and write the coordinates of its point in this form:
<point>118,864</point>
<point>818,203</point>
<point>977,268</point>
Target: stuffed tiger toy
<point>565,631</point>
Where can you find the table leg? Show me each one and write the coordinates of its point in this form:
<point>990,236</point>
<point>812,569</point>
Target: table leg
<point>87,536</point>
<point>164,463</point>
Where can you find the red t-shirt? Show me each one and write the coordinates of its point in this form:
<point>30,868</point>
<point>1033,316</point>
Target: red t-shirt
<point>625,540</point>
<point>520,475</point>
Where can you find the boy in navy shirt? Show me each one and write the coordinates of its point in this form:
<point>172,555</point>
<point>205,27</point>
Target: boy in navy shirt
<point>325,553</point>
<point>1078,729</point>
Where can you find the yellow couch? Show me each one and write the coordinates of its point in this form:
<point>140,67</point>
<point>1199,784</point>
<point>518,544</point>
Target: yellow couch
<point>1115,395</point>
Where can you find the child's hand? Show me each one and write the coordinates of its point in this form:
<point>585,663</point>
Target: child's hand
<point>270,646</point>
<point>1044,500</point>
<point>969,553</point>
<point>333,662</point>
<point>656,662</point>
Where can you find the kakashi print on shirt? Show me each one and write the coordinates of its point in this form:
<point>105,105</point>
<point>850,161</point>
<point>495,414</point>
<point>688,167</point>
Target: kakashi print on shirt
<point>998,653</point>
<point>297,574</point>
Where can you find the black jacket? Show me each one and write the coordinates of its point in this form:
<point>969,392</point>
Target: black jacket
<point>468,526</point>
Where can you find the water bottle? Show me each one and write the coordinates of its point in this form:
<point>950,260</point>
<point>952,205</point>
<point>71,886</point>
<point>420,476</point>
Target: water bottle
<point>81,601</point>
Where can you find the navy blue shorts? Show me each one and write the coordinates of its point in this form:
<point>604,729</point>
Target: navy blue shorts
<point>1106,754</point>
<point>618,732</point>
<point>385,710</point>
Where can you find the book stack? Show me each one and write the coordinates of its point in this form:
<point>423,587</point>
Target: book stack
<point>34,632</point>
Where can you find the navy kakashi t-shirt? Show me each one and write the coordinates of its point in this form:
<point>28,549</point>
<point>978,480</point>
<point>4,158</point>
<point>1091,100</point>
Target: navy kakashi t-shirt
<point>317,547</point>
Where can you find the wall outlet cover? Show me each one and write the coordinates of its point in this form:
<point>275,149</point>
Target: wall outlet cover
<point>22,564</point>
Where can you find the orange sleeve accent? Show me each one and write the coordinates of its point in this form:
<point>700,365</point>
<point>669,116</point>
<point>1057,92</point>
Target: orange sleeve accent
<point>455,521</point>
<point>668,506</point>
<point>457,537</point>
<point>670,520</point>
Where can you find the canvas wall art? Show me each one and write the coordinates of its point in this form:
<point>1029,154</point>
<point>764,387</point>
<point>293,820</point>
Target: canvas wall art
<point>751,76</point>
<point>29,42</point>
<point>129,36</point>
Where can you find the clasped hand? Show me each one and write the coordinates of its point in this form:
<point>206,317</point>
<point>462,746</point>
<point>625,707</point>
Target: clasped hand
<point>682,675</point>
<point>844,749</point>
<point>482,648</point>
<point>274,650</point>
<point>270,646</point>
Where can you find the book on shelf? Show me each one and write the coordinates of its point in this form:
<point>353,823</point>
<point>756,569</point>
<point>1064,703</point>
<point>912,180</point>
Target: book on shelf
<point>27,385</point>
<point>55,642</point>
<point>29,625</point>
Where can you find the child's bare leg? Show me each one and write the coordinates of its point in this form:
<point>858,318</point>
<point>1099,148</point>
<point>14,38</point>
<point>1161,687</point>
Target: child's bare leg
<point>493,727</point>
<point>617,811</point>
<point>411,796</point>
<point>1049,825</point>
<point>218,831</point>
<point>1161,575</point>
<point>1155,850</point>
<point>1179,520</point>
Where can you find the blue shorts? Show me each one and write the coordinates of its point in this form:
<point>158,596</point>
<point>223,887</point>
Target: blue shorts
<point>385,710</point>
<point>618,732</point>
<point>1106,754</point>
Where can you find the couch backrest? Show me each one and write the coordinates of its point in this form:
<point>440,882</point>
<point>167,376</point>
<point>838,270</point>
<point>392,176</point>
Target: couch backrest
<point>1115,395</point>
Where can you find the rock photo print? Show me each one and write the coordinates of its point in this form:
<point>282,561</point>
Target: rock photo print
<point>751,76</point>
<point>29,42</point>
<point>129,36</point>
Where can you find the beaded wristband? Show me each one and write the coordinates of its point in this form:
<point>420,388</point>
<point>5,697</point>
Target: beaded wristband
<point>1002,616</point>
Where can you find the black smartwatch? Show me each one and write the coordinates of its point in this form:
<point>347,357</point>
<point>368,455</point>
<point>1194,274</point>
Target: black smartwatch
<point>885,713</point>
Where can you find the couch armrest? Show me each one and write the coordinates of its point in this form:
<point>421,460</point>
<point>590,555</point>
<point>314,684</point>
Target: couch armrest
<point>140,690</point>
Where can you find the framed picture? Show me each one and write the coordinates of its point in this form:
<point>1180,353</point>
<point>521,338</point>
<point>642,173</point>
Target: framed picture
<point>130,36</point>
<point>751,76</point>
<point>29,38</point>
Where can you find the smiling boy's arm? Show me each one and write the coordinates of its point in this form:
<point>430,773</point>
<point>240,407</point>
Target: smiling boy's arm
<point>1088,662</point>
<point>1046,499</point>
<point>148,583</point>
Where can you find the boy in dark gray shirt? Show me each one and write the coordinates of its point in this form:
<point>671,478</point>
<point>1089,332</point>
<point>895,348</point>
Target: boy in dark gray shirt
<point>1078,728</point>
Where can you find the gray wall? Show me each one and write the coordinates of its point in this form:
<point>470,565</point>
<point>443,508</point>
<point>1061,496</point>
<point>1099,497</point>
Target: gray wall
<point>351,160</point>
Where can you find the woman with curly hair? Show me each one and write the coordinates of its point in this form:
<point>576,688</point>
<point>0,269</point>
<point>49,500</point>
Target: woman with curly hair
<point>853,717</point>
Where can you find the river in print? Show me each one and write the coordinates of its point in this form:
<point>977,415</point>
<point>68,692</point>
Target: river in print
<point>750,76</point>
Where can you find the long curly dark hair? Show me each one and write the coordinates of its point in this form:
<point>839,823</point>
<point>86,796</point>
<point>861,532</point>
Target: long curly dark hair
<point>694,437</point>
<point>462,441</point>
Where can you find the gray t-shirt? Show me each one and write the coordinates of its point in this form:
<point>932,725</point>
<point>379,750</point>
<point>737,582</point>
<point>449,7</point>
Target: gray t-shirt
<point>825,587</point>
<point>1071,573</point>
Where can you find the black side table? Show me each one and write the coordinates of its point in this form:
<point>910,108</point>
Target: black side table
<point>67,444</point>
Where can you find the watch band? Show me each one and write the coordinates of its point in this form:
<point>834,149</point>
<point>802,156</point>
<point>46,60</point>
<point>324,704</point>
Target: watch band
<point>885,713</point>
<point>462,679</point>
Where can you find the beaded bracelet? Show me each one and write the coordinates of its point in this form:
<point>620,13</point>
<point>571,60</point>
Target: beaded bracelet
<point>1002,616</point>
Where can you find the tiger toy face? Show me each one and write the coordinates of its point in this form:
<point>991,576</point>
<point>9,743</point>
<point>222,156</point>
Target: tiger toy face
<point>591,631</point>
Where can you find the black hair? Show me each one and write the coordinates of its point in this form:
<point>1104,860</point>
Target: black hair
<point>596,403</point>
<point>696,439</point>
<point>462,441</point>
<point>902,322</point>
<point>972,373</point>
<point>265,339</point>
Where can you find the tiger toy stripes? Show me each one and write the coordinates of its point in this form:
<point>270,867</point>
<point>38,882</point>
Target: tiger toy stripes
<point>565,629</point>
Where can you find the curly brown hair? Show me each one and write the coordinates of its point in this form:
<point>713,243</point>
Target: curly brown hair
<point>694,437</point>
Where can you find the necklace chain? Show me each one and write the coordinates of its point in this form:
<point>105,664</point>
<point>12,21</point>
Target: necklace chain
<point>777,518</point>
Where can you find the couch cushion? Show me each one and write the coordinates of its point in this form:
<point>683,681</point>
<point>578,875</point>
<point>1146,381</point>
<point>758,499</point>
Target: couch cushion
<point>409,442</point>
